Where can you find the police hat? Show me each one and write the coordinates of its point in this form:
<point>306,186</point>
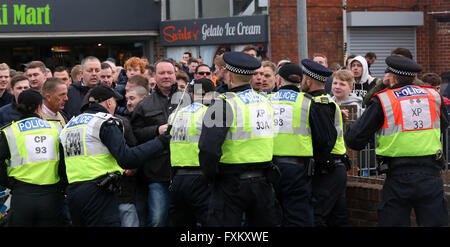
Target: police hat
<point>241,63</point>
<point>30,97</point>
<point>101,93</point>
<point>207,84</point>
<point>316,70</point>
<point>291,72</point>
<point>402,66</point>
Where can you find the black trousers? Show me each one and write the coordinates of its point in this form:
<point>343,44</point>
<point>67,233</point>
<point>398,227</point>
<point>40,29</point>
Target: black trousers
<point>231,197</point>
<point>294,192</point>
<point>36,206</point>
<point>189,201</point>
<point>418,188</point>
<point>330,207</point>
<point>91,205</point>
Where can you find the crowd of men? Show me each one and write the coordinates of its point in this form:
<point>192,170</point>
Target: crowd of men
<point>240,143</point>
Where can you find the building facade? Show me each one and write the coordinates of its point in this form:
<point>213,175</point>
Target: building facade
<point>62,32</point>
<point>376,26</point>
<point>371,26</point>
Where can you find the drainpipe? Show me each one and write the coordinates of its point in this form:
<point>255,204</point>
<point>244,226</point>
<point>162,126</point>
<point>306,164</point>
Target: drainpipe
<point>344,28</point>
<point>302,34</point>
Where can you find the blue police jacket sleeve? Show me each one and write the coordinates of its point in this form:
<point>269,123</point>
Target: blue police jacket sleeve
<point>363,129</point>
<point>214,132</point>
<point>62,166</point>
<point>128,157</point>
<point>444,116</point>
<point>323,132</point>
<point>4,155</point>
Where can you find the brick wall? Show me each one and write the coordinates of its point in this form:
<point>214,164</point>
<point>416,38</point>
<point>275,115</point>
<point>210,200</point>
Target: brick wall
<point>325,29</point>
<point>283,29</point>
<point>158,50</point>
<point>363,197</point>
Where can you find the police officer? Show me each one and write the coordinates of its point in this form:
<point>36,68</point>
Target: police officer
<point>189,190</point>
<point>95,155</point>
<point>236,146</point>
<point>293,148</point>
<point>408,121</point>
<point>30,165</point>
<point>330,177</point>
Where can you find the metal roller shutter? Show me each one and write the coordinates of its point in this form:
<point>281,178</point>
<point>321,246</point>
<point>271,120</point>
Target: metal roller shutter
<point>381,41</point>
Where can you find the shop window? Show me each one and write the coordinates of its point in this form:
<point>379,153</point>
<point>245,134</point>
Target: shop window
<point>214,8</point>
<point>250,7</point>
<point>192,9</point>
<point>181,9</point>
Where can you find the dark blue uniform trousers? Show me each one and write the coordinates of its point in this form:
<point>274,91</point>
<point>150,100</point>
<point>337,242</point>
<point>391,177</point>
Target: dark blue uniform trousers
<point>189,201</point>
<point>330,207</point>
<point>294,193</point>
<point>91,205</point>
<point>36,206</point>
<point>419,188</point>
<point>231,197</point>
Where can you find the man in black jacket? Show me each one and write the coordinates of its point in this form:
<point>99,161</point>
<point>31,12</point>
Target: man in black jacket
<point>76,92</point>
<point>149,120</point>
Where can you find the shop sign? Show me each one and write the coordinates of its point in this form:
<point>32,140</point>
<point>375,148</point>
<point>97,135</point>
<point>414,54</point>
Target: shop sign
<point>79,15</point>
<point>232,30</point>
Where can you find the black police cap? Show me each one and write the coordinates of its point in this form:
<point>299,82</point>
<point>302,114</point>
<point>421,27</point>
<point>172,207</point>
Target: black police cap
<point>241,63</point>
<point>101,93</point>
<point>316,70</point>
<point>402,66</point>
<point>207,84</point>
<point>30,97</point>
<point>291,72</point>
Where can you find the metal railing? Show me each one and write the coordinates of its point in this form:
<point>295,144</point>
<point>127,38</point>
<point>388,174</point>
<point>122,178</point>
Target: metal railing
<point>364,163</point>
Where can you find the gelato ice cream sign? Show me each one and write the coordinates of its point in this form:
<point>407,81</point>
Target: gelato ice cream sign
<point>215,31</point>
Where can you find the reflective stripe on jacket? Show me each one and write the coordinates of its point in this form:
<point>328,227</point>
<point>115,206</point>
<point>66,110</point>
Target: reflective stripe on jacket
<point>86,157</point>
<point>34,147</point>
<point>411,122</point>
<point>250,137</point>
<point>185,133</point>
<point>339,146</point>
<point>291,124</point>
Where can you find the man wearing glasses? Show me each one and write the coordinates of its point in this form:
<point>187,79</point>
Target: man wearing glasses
<point>203,71</point>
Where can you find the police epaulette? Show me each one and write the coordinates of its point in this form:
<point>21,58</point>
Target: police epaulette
<point>5,126</point>
<point>226,95</point>
<point>309,96</point>
<point>55,121</point>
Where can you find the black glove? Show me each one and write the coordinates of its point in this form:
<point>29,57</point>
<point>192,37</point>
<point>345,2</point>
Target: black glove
<point>168,129</point>
<point>165,139</point>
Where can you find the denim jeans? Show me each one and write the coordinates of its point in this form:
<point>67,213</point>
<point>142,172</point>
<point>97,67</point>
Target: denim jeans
<point>128,215</point>
<point>158,204</point>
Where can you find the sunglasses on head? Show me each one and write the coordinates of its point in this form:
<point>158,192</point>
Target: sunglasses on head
<point>204,73</point>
